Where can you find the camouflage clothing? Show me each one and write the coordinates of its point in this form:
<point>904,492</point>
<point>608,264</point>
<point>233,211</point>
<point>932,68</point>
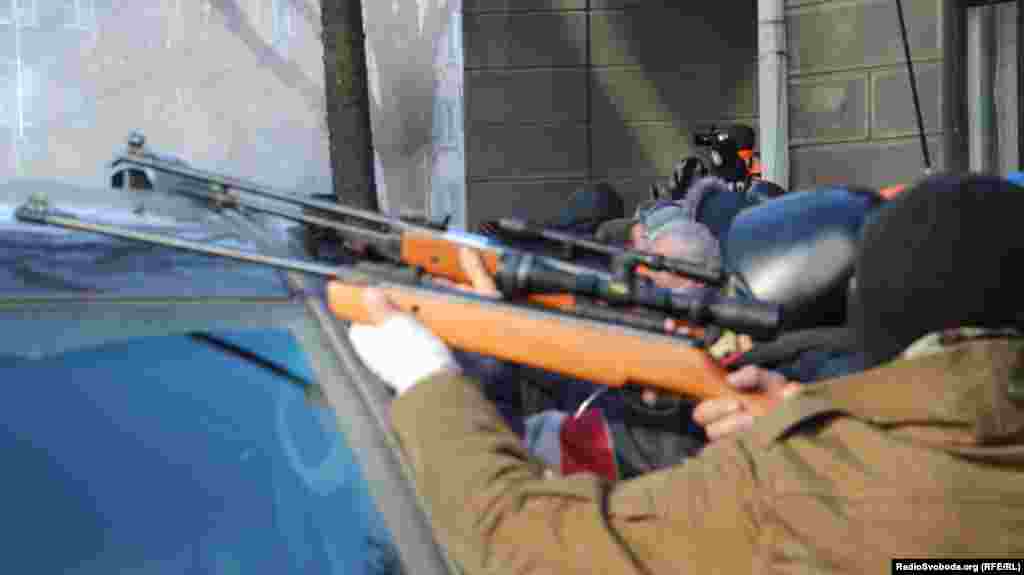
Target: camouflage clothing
<point>922,457</point>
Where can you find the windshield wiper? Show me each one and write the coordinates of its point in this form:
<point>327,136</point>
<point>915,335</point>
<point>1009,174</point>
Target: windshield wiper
<point>312,391</point>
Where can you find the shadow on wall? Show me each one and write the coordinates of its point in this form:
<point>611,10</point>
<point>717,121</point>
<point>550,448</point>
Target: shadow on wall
<point>657,72</point>
<point>659,75</point>
<point>287,71</point>
<point>79,76</point>
<point>403,40</point>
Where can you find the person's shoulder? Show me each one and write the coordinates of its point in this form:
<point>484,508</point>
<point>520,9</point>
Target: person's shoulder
<point>807,413</point>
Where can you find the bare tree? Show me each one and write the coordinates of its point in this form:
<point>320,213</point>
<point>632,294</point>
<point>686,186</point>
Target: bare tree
<point>348,111</point>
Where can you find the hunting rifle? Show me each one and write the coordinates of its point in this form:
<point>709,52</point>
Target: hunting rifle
<point>350,222</point>
<point>586,349</point>
<point>546,281</point>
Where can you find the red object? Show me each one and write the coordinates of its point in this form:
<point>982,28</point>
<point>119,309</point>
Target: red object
<point>892,191</point>
<point>586,443</point>
<point>752,162</point>
<point>730,359</point>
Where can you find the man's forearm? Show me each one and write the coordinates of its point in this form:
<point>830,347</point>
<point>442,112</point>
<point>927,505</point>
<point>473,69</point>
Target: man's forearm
<point>491,503</point>
<point>464,457</point>
<point>497,511</point>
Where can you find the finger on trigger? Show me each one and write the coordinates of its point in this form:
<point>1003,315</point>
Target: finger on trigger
<point>473,266</point>
<point>745,343</point>
<point>469,259</point>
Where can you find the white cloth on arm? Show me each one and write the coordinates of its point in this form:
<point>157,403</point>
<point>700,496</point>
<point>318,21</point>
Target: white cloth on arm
<point>401,351</point>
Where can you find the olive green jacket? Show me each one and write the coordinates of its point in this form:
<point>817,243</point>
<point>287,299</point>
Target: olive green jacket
<point>923,457</point>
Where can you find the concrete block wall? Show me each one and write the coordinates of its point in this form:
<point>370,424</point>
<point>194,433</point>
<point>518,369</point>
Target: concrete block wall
<point>563,92</point>
<point>209,82</point>
<point>852,117</point>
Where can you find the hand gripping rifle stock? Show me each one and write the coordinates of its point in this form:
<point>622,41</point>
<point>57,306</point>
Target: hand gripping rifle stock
<point>583,349</point>
<point>586,349</point>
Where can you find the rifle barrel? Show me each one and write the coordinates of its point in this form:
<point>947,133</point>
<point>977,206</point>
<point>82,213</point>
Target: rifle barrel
<point>223,183</point>
<point>37,210</point>
<point>223,197</point>
<point>140,159</point>
<point>517,273</point>
<point>387,243</point>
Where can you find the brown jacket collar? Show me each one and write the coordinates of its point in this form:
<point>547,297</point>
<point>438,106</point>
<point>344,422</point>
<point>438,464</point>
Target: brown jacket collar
<point>968,399</point>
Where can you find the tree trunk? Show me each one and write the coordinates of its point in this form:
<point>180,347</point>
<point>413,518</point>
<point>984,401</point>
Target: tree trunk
<point>348,103</point>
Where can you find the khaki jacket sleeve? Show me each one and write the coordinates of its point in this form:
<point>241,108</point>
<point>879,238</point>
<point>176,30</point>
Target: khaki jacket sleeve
<point>497,512</point>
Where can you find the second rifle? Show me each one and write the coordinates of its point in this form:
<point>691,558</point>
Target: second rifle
<point>588,292</point>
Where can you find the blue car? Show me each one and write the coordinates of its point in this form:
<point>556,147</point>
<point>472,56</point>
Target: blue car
<point>167,412</point>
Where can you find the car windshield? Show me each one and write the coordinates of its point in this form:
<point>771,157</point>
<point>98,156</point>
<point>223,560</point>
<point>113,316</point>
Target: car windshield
<point>181,454</point>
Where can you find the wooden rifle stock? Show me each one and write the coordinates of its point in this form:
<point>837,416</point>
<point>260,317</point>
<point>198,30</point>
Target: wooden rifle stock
<point>439,257</point>
<point>589,351</point>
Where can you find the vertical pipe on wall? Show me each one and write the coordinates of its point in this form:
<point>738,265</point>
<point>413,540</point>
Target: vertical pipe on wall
<point>773,90</point>
<point>981,131</point>
<point>590,99</point>
<point>348,103</point>
<point>953,107</point>
<point>1007,102</point>
<point>1020,83</point>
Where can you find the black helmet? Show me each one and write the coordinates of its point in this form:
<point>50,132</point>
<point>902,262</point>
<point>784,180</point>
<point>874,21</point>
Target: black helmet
<point>799,250</point>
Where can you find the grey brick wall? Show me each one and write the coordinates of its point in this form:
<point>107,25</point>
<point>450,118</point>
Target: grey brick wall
<point>851,112</point>
<point>655,69</point>
<point>214,85</point>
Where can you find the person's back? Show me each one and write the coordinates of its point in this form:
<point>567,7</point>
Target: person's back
<point>922,456</point>
<point>901,462</point>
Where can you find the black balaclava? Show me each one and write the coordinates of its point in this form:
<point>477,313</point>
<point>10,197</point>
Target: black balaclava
<point>941,255</point>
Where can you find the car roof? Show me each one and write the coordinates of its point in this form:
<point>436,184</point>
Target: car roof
<point>52,262</point>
